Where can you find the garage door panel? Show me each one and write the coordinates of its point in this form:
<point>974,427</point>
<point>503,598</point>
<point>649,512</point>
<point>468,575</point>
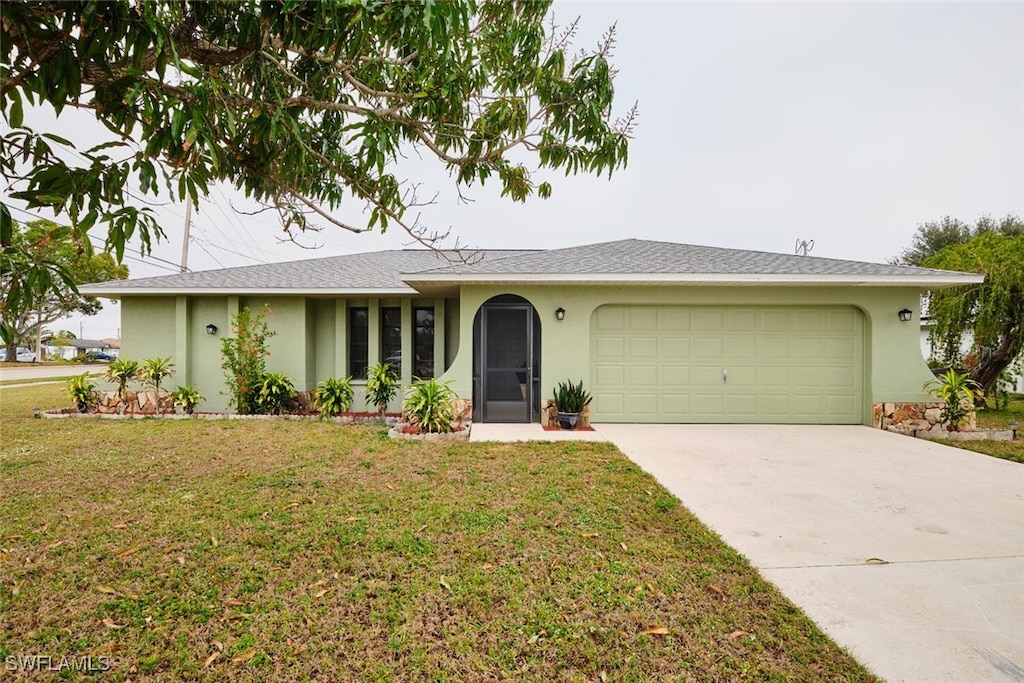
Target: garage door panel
<point>674,347</point>
<point>708,320</point>
<point>742,376</point>
<point>674,319</point>
<point>705,376</point>
<point>809,321</point>
<point>740,347</point>
<point>840,349</point>
<point>610,347</point>
<point>708,405</point>
<point>609,318</point>
<point>643,376</point>
<point>607,403</point>
<point>806,376</point>
<point>639,319</point>
<point>610,376</point>
<point>643,405</point>
<point>675,376</point>
<point>742,407</point>
<point>642,347</point>
<point>773,376</point>
<point>671,363</point>
<point>675,405</point>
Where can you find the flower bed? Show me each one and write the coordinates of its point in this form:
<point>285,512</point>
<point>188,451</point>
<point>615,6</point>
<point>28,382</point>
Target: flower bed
<point>407,432</point>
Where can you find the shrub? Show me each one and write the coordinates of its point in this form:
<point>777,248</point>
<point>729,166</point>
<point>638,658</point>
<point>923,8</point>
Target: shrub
<point>186,397</point>
<point>155,370</point>
<point>428,405</point>
<point>333,396</point>
<point>244,357</point>
<point>276,393</point>
<point>571,398</point>
<point>956,390</point>
<point>123,371</point>
<point>381,386</point>
<point>80,390</point>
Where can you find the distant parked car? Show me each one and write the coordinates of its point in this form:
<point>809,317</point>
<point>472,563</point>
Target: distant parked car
<point>99,356</point>
<point>24,355</point>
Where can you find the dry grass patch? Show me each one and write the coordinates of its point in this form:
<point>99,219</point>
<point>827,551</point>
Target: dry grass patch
<point>309,551</point>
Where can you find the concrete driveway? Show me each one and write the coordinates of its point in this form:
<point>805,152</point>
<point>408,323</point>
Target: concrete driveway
<point>908,553</point>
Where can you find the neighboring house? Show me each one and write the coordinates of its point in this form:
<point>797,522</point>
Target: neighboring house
<point>659,332</point>
<point>81,348</point>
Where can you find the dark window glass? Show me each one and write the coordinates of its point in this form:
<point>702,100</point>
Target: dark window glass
<point>423,342</point>
<point>358,341</point>
<point>391,338</point>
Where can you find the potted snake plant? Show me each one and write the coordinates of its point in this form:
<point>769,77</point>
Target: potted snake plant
<point>570,400</point>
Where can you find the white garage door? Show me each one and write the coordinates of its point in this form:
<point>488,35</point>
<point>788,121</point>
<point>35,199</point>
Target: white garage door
<point>727,364</point>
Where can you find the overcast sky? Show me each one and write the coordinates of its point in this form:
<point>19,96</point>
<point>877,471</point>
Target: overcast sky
<point>760,123</point>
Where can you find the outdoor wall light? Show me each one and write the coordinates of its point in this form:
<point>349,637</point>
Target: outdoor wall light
<point>906,314</point>
<point>211,329</point>
<point>560,313</point>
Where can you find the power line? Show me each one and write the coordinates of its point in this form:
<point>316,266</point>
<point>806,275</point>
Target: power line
<point>93,240</point>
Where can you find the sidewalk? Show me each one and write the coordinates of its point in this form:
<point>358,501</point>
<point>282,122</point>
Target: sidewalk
<point>526,432</point>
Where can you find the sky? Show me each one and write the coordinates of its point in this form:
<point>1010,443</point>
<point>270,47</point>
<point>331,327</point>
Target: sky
<point>760,124</point>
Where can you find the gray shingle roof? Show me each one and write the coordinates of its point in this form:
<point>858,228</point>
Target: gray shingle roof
<point>369,272</point>
<point>634,256</point>
<point>632,260</point>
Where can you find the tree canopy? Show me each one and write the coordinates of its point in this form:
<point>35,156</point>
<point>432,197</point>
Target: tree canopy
<point>306,107</point>
<point>992,312</point>
<point>43,249</point>
<point>932,237</point>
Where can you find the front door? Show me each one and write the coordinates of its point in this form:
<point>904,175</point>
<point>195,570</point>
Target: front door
<point>506,363</point>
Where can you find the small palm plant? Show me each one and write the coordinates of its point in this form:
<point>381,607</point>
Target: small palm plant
<point>122,371</point>
<point>80,390</point>
<point>275,393</point>
<point>428,405</point>
<point>333,396</point>
<point>187,397</point>
<point>957,391</point>
<point>156,370</point>
<point>381,386</point>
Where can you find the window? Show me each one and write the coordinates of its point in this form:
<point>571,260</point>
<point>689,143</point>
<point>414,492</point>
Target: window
<point>423,342</point>
<point>358,341</point>
<point>391,338</point>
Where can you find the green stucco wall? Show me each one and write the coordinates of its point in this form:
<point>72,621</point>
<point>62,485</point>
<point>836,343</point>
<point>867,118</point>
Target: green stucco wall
<point>893,366</point>
<point>309,343</point>
<point>148,327</point>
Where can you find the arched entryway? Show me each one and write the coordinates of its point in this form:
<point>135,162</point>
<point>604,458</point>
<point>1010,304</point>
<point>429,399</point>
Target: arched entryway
<point>506,361</point>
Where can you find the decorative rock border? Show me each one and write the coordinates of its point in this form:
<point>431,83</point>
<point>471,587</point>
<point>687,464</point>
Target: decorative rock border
<point>916,417</point>
<point>59,413</point>
<point>945,435</point>
<point>462,435</point>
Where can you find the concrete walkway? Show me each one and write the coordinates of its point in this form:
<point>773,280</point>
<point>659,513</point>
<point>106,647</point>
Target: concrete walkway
<point>492,431</point>
<point>908,553</point>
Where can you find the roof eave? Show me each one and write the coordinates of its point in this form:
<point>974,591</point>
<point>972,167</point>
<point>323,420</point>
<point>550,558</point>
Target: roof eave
<point>419,280</point>
<point>115,293</point>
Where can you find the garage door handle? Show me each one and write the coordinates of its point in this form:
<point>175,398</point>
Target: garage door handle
<point>725,376</point>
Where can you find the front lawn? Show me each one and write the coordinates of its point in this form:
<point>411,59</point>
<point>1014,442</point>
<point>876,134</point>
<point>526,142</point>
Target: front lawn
<point>992,418</point>
<point>289,550</point>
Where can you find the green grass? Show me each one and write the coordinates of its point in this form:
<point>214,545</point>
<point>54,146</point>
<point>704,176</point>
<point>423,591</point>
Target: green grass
<point>992,418</point>
<point>309,551</point>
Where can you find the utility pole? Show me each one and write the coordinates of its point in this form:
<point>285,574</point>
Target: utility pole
<point>188,229</point>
